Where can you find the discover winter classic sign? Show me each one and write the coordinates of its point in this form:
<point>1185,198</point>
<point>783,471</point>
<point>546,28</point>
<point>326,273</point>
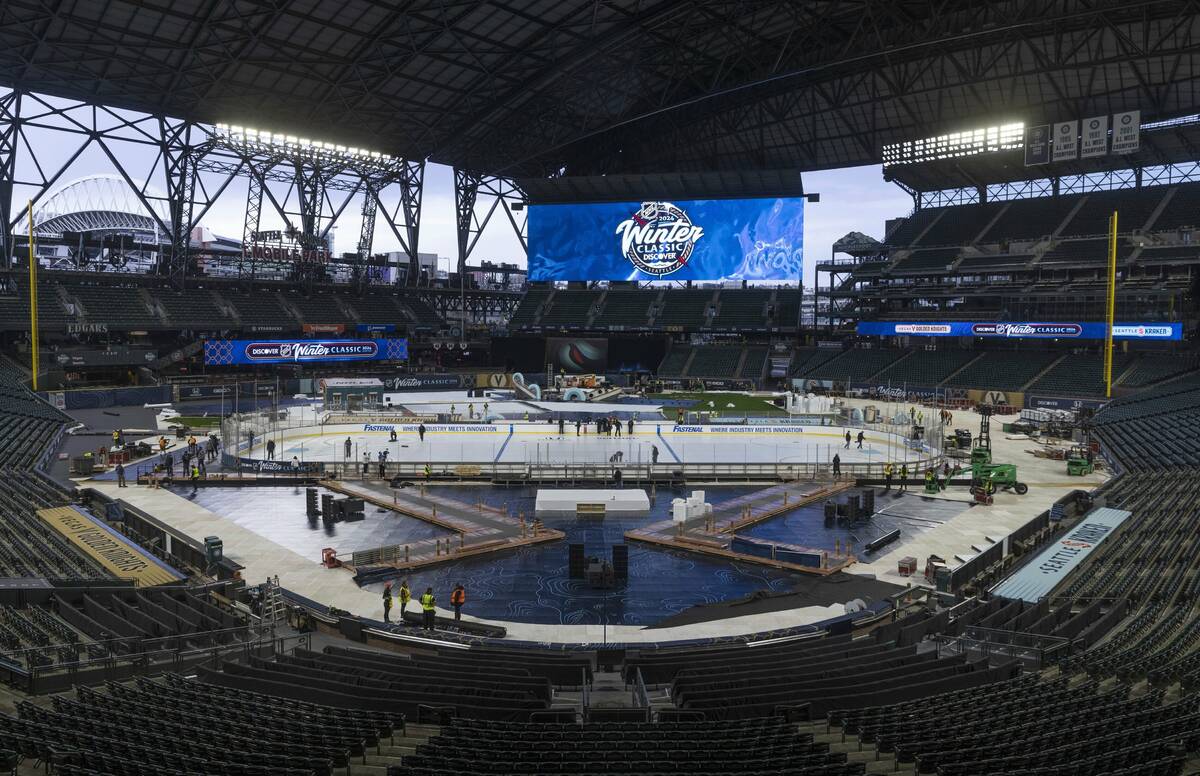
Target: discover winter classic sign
<point>229,352</point>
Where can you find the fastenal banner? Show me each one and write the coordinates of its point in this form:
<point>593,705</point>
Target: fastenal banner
<point>233,352</point>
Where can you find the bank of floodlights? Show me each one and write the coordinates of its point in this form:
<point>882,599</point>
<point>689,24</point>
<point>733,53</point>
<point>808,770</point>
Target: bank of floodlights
<point>1001,137</point>
<point>276,142</point>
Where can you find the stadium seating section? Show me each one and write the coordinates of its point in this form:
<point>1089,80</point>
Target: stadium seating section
<point>1003,370</point>
<point>570,307</point>
<point>422,313</point>
<point>857,365</point>
<point>926,367</point>
<point>90,625</point>
<point>744,309</point>
<point>625,309</point>
<point>1081,375</point>
<point>27,549</point>
<point>529,309</point>
<point>715,362</point>
<point>196,309</point>
<point>1148,369</point>
<point>116,306</point>
<point>1070,215</point>
<point>684,308</point>
<point>808,359</point>
<point>319,308</point>
<point>673,363</point>
<point>752,367</point>
<point>14,305</point>
<point>376,308</point>
<point>27,424</point>
<point>260,309</point>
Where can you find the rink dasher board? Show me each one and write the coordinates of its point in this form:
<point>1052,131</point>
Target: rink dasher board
<point>548,429</point>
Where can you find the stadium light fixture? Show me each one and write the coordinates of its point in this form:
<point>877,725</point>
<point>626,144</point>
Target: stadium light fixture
<point>317,149</point>
<point>952,145</point>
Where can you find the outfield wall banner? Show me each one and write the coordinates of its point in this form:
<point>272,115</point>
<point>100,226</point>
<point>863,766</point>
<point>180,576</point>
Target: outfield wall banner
<point>1022,330</point>
<point>493,380</point>
<point>577,355</point>
<point>1014,399</point>
<point>1062,403</point>
<point>908,392</point>
<point>237,352</point>
<point>709,239</point>
<point>425,382</point>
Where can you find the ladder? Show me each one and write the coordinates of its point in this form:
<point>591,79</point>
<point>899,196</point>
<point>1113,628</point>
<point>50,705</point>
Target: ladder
<point>274,610</point>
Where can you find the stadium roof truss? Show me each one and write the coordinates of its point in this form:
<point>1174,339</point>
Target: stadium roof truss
<point>194,165</point>
<point>544,88</point>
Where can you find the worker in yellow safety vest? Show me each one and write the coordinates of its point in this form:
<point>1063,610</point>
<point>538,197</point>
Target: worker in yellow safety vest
<point>887,477</point>
<point>405,597</point>
<point>428,607</point>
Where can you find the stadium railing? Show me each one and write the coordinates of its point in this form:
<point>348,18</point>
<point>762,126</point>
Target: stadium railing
<point>128,656</point>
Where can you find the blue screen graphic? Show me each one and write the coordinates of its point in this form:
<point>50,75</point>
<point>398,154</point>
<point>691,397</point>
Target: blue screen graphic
<point>704,239</point>
<point>1023,330</point>
<point>232,352</point>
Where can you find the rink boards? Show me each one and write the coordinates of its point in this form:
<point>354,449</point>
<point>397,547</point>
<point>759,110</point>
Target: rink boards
<point>541,444</point>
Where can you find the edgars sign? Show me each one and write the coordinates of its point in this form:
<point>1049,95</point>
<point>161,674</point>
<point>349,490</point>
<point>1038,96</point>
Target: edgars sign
<point>221,352</point>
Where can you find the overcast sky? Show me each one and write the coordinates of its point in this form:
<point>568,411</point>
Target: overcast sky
<point>852,199</point>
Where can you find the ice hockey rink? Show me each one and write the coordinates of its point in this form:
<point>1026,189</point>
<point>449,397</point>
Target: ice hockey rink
<point>540,443</point>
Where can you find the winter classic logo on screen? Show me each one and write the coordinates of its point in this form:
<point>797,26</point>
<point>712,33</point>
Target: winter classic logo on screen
<point>659,238</point>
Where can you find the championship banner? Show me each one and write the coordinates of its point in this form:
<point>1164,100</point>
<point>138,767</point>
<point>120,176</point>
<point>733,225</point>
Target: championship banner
<point>1037,144</point>
<point>1095,137</point>
<point>1126,132</point>
<point>1066,141</point>
<point>1022,330</point>
<point>710,239</point>
<point>238,352</point>
<point>108,548</point>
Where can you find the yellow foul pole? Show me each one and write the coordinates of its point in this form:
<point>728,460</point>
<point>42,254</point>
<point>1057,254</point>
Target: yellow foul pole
<point>33,304</point>
<point>1112,303</point>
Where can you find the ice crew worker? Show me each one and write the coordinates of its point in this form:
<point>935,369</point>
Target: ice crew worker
<point>421,432</point>
<point>904,477</point>
<point>387,601</point>
<point>887,476</point>
<point>860,439</point>
<point>120,475</point>
<point>270,449</point>
<point>837,465</point>
<point>428,607</point>
<point>457,599</point>
<point>346,446</point>
<point>847,440</point>
<point>405,597</point>
<point>116,438</point>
